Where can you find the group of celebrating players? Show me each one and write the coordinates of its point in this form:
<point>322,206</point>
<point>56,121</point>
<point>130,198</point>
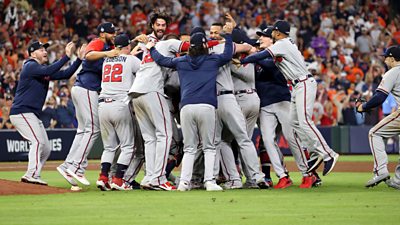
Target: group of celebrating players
<point>216,89</point>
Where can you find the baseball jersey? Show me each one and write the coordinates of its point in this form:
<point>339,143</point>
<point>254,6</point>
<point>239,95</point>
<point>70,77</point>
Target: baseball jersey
<point>243,77</point>
<point>151,76</point>
<point>288,59</point>
<point>34,83</point>
<point>89,77</point>
<point>118,76</point>
<point>224,77</point>
<point>391,83</point>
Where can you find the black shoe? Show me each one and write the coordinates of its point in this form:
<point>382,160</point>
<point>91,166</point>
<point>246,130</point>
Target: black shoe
<point>263,185</point>
<point>318,181</point>
<point>313,164</point>
<point>328,167</point>
<point>135,185</point>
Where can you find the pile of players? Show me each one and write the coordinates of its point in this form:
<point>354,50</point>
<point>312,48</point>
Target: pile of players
<point>216,88</point>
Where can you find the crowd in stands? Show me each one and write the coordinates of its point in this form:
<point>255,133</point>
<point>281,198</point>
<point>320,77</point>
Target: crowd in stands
<point>341,42</point>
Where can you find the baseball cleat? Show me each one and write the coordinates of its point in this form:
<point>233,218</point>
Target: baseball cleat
<point>391,183</point>
<point>135,185</point>
<point>183,186</point>
<point>308,181</point>
<point>284,182</point>
<point>263,185</point>
<point>66,176</point>
<point>250,185</point>
<point>164,187</point>
<point>377,179</point>
<point>212,186</point>
<point>329,165</point>
<point>117,184</point>
<point>233,184</point>
<point>196,185</point>
<point>102,183</point>
<point>313,164</point>
<point>32,180</point>
<point>318,181</point>
<point>79,177</point>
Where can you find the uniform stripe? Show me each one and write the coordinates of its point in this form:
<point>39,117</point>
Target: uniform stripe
<point>37,146</point>
<point>91,134</point>
<point>372,143</point>
<point>300,149</point>
<point>305,114</point>
<point>166,139</point>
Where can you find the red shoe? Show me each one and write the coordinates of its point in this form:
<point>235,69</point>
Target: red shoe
<point>165,186</point>
<point>120,185</point>
<point>284,182</point>
<point>102,183</point>
<point>308,181</point>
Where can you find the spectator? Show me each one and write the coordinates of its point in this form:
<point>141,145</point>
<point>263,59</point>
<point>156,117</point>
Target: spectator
<point>48,115</point>
<point>364,42</point>
<point>65,112</point>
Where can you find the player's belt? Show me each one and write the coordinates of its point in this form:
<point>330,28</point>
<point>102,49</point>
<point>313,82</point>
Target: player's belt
<point>245,91</point>
<point>301,79</point>
<point>106,100</point>
<point>224,92</point>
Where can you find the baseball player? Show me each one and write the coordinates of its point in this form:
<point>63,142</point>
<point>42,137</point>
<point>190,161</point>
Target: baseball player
<point>274,92</point>
<point>197,73</point>
<point>85,98</point>
<point>388,126</point>
<point>290,62</point>
<point>230,117</point>
<point>116,117</point>
<point>29,99</point>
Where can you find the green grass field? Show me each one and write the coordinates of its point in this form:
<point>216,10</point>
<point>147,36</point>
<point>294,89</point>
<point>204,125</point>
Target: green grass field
<point>341,200</point>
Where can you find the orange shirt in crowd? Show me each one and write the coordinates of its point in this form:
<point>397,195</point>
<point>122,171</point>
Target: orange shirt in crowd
<point>137,17</point>
<point>351,76</point>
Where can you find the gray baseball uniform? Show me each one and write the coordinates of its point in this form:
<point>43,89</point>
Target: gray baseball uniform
<point>116,117</point>
<point>231,116</point>
<point>388,126</point>
<point>152,111</point>
<point>291,63</point>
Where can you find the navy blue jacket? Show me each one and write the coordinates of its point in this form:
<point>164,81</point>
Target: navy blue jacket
<point>89,77</point>
<point>34,83</point>
<point>65,115</point>
<point>197,75</point>
<point>271,85</point>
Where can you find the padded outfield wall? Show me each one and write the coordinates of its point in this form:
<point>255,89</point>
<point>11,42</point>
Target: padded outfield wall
<point>343,139</point>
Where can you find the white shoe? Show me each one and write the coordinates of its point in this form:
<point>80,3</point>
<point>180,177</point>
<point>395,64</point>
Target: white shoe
<point>102,185</point>
<point>66,176</point>
<point>183,186</point>
<point>125,187</point>
<point>233,184</point>
<point>377,179</point>
<point>212,186</point>
<point>81,178</point>
<point>33,180</point>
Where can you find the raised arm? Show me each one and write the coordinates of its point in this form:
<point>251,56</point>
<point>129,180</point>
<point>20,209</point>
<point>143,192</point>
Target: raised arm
<point>266,63</point>
<point>67,73</point>
<point>226,56</point>
<point>256,57</point>
<point>37,70</point>
<point>160,59</point>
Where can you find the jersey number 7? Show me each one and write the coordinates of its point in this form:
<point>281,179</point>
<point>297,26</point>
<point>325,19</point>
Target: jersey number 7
<point>112,73</point>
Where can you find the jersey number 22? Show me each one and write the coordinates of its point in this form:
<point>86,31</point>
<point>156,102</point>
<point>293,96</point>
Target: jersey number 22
<point>112,73</point>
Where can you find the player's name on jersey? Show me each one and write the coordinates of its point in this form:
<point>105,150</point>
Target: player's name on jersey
<point>15,146</point>
<point>116,59</point>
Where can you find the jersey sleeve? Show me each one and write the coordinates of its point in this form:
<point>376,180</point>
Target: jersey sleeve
<point>95,45</point>
<point>135,63</point>
<point>387,83</point>
<point>277,49</point>
<point>171,45</point>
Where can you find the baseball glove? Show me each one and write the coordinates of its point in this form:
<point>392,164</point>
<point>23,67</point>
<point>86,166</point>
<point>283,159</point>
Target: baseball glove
<point>359,101</point>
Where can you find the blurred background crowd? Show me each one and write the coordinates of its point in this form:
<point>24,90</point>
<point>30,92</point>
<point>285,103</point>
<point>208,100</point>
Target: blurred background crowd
<point>341,42</point>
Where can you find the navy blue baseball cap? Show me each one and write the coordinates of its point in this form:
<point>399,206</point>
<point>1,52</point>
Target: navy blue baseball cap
<point>282,26</point>
<point>35,45</point>
<point>392,51</point>
<point>121,41</point>
<point>106,27</point>
<point>197,30</point>
<point>267,32</point>
<point>239,36</point>
<point>197,39</point>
